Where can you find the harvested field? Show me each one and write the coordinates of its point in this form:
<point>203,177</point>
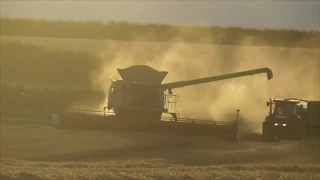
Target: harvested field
<point>43,152</point>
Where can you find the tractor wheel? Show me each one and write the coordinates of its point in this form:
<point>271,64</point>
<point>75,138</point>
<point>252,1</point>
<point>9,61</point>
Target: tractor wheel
<point>267,132</point>
<point>297,132</point>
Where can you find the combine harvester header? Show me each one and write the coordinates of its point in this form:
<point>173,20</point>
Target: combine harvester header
<point>139,100</point>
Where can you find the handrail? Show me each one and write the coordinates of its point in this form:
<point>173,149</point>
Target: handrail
<point>200,121</point>
<point>163,118</point>
<point>90,112</point>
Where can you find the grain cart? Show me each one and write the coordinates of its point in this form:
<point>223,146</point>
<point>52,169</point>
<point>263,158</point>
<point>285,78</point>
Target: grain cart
<point>140,102</point>
<point>291,118</point>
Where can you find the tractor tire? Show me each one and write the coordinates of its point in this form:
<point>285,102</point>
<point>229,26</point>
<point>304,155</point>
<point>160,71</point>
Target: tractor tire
<point>296,132</point>
<point>267,132</point>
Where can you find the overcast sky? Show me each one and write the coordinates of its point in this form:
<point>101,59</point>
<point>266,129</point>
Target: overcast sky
<point>294,14</point>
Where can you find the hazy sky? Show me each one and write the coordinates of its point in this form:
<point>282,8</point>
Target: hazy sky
<point>294,14</point>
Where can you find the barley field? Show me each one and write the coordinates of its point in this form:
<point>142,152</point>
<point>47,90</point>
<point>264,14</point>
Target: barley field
<point>32,149</point>
<point>91,64</point>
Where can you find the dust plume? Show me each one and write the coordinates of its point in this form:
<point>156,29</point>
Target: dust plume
<point>296,74</point>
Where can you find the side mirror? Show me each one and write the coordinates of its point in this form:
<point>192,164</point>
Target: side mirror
<point>268,103</point>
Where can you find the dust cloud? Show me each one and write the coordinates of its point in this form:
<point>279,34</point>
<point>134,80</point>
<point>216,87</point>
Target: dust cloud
<point>296,74</point>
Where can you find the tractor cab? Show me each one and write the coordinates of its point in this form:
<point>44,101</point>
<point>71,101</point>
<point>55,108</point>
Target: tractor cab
<point>284,119</point>
<point>284,108</point>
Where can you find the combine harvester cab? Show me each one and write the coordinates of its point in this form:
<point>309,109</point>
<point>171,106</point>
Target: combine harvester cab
<point>292,119</point>
<point>139,101</point>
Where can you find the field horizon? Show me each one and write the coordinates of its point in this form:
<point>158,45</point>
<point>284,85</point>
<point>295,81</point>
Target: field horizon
<point>128,31</point>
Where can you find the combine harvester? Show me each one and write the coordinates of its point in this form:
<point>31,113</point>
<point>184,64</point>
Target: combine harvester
<point>139,100</point>
<point>292,119</point>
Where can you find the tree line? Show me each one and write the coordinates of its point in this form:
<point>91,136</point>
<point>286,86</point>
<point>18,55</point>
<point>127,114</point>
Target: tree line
<point>123,30</point>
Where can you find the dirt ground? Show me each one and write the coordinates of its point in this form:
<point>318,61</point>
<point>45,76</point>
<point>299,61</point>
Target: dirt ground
<point>43,152</point>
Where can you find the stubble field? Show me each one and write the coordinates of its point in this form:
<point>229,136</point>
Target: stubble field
<point>44,152</point>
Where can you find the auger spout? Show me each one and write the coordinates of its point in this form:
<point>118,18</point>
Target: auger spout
<point>180,84</point>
